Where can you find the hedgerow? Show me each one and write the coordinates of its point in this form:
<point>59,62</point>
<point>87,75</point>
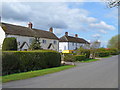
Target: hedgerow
<point>23,61</point>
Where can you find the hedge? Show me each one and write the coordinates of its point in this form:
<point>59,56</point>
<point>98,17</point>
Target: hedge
<point>79,57</point>
<point>22,61</point>
<point>9,44</point>
<point>73,58</point>
<point>102,54</point>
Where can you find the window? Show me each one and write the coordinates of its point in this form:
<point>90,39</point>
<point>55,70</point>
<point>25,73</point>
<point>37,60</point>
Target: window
<point>64,47</point>
<point>44,41</point>
<point>54,42</point>
<point>73,44</point>
<point>18,43</point>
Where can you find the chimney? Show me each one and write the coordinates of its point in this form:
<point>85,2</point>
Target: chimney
<point>76,35</point>
<point>66,33</point>
<point>51,30</point>
<point>30,25</point>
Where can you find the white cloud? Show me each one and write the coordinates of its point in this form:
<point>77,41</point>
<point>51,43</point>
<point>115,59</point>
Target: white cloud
<point>102,31</point>
<point>96,35</point>
<point>56,15</point>
<point>102,25</point>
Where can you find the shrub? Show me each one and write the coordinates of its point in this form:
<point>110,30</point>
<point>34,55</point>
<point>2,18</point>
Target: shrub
<point>82,51</point>
<point>9,44</point>
<point>102,53</point>
<point>79,57</point>
<point>35,45</point>
<point>68,58</point>
<point>113,51</point>
<point>22,61</point>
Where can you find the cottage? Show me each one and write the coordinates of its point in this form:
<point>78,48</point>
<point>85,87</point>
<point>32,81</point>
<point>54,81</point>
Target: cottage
<point>25,36</point>
<point>72,43</point>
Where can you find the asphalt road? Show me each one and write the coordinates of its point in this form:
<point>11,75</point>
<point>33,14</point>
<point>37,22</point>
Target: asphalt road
<point>100,74</point>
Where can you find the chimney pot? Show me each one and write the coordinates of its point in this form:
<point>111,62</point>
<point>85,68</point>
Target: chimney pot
<point>30,25</point>
<point>66,33</point>
<point>51,30</point>
<point>76,35</point>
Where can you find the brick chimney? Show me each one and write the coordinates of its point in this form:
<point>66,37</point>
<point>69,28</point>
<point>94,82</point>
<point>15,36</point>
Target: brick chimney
<point>30,25</point>
<point>51,30</point>
<point>66,33</point>
<point>76,35</point>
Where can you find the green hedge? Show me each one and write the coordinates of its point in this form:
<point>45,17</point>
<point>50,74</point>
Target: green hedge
<point>73,58</point>
<point>79,57</point>
<point>102,54</point>
<point>22,61</point>
<point>9,44</point>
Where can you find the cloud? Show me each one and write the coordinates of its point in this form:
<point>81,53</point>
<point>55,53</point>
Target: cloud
<point>102,31</point>
<point>102,25</point>
<point>96,35</point>
<point>57,15</point>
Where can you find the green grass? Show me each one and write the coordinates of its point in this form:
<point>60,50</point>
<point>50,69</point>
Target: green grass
<point>26,75</point>
<point>89,60</point>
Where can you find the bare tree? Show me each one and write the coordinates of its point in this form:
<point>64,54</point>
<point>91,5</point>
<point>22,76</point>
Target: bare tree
<point>112,3</point>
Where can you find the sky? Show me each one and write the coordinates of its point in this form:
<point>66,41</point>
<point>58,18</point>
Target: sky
<point>90,20</point>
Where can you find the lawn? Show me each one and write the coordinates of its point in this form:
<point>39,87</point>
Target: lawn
<point>26,75</point>
<point>89,60</point>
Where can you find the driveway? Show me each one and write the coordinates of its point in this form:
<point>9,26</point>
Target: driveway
<point>99,74</point>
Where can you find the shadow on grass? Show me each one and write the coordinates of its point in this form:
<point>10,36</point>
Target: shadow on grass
<point>89,60</point>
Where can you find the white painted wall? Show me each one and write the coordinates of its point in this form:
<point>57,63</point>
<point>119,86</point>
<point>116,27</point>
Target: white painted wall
<point>63,46</point>
<point>70,45</point>
<point>2,36</point>
<point>48,41</point>
<point>21,39</point>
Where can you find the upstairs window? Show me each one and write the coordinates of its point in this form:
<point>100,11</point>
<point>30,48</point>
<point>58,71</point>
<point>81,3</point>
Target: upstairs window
<point>44,41</point>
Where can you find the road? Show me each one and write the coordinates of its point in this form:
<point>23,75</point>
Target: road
<point>99,74</point>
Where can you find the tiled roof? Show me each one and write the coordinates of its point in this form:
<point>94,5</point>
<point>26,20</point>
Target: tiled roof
<point>25,31</point>
<point>66,38</point>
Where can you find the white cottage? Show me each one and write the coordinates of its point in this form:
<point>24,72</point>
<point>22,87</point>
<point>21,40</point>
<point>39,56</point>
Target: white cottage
<point>25,35</point>
<point>72,43</point>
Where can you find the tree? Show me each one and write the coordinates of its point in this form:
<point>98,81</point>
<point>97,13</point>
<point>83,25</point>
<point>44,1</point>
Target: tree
<point>93,48</point>
<point>35,45</point>
<point>9,44</point>
<point>114,42</point>
<point>113,3</point>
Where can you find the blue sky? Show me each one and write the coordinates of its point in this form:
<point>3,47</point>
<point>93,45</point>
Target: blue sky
<point>90,20</point>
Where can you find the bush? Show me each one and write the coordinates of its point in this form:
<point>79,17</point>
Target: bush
<point>82,51</point>
<point>9,44</point>
<point>22,61</point>
<point>68,58</point>
<point>79,57</point>
<point>102,53</point>
<point>113,51</point>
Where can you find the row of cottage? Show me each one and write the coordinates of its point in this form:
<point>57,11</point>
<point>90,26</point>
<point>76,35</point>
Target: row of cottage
<point>25,35</point>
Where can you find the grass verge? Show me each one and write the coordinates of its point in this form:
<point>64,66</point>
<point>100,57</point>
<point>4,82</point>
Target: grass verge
<point>26,75</point>
<point>89,60</point>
